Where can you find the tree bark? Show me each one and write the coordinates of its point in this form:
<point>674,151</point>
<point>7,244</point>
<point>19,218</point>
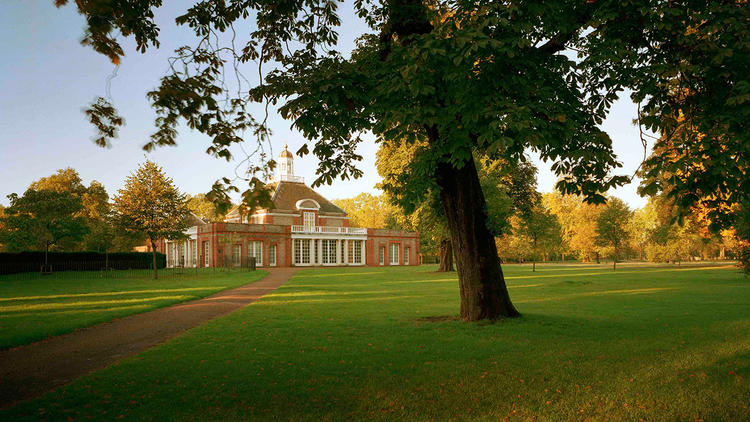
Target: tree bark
<point>153,258</point>
<point>614,261</point>
<point>446,256</point>
<point>482,285</point>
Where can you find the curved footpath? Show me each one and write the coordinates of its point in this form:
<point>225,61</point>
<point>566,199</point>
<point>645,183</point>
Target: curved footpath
<point>34,369</point>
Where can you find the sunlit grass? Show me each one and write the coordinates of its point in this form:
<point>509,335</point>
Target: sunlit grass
<point>35,307</point>
<point>659,343</point>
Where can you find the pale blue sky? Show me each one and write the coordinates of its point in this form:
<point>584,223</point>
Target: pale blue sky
<point>47,77</point>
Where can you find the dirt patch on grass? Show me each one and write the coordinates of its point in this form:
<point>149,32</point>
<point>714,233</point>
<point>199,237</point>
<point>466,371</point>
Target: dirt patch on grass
<point>438,318</point>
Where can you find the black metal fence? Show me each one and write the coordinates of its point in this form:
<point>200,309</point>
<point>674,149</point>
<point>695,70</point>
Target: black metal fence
<point>29,270</point>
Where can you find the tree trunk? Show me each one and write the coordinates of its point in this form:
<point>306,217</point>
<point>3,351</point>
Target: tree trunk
<point>614,261</point>
<point>46,255</point>
<point>446,256</point>
<point>482,285</point>
<point>153,258</point>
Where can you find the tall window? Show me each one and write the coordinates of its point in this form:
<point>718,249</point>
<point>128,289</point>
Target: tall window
<point>272,255</point>
<point>236,254</point>
<point>350,252</point>
<point>194,253</point>
<point>301,251</point>
<point>381,255</point>
<point>309,220</point>
<point>206,253</point>
<point>305,251</point>
<point>328,251</point>
<point>394,253</point>
<point>182,251</point>
<point>170,254</point>
<point>297,251</point>
<point>255,250</point>
<point>357,251</point>
<point>407,253</point>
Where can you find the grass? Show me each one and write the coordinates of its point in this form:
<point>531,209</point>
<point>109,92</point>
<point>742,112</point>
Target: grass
<point>662,343</point>
<point>35,307</point>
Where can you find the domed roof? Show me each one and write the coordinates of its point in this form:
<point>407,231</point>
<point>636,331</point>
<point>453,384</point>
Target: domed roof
<point>285,153</point>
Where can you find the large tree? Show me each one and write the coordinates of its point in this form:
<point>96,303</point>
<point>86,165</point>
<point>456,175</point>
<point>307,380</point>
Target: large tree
<point>488,77</point>
<point>40,219</point>
<point>151,204</point>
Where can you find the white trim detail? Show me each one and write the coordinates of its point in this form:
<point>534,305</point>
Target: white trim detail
<point>307,208</point>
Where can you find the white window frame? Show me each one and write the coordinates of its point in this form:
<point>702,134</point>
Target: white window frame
<point>302,249</point>
<point>394,256</point>
<point>357,251</point>
<point>407,252</point>
<point>255,249</point>
<point>272,255</point>
<point>381,255</point>
<point>328,252</point>
<point>236,254</point>
<point>194,252</point>
<point>308,220</point>
<point>296,251</point>
<point>206,253</point>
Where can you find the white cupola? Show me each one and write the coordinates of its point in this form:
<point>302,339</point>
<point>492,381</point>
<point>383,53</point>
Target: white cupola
<point>285,169</point>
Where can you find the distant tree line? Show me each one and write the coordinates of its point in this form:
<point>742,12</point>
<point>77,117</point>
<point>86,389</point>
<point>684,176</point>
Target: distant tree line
<point>59,213</point>
<point>555,227</point>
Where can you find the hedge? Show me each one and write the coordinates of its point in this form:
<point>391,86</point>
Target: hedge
<point>20,262</point>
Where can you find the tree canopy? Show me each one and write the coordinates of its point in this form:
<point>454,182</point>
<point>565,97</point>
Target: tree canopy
<point>488,78</point>
<point>40,219</point>
<point>151,204</point>
<point>367,210</point>
<point>204,208</point>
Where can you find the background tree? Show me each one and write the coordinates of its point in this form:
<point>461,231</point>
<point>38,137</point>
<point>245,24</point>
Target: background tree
<point>417,75</point>
<point>611,226</point>
<point>639,229</point>
<point>514,245</point>
<point>541,228</point>
<point>743,232</point>
<point>508,189</point>
<point>94,200</point>
<point>2,215</point>
<point>151,204</point>
<point>40,219</point>
<point>204,208</point>
<point>367,210</point>
<point>578,222</point>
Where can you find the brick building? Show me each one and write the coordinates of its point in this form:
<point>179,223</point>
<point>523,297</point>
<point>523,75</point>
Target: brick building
<point>301,229</point>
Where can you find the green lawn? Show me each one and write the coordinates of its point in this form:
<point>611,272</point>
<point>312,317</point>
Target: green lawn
<point>663,343</point>
<point>35,307</point>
